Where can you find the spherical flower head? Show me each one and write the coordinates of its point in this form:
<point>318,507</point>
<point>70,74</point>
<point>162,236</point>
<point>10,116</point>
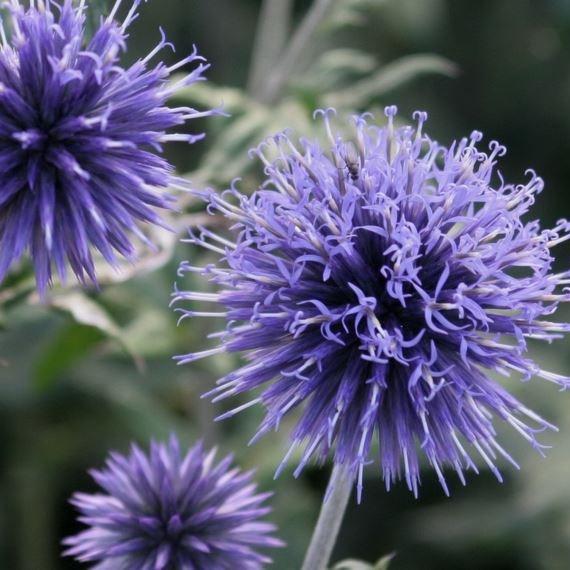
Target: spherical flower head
<point>166,511</point>
<point>376,283</point>
<point>80,138</point>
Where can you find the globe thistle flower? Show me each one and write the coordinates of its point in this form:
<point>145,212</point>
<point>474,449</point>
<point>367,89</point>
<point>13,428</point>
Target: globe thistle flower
<point>80,138</point>
<point>376,284</point>
<point>168,511</point>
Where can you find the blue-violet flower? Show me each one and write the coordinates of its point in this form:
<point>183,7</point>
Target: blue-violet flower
<point>80,138</point>
<point>172,511</point>
<point>376,284</point>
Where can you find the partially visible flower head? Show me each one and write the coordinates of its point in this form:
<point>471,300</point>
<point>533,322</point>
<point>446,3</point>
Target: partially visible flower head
<point>171,511</point>
<point>375,284</point>
<point>81,137</point>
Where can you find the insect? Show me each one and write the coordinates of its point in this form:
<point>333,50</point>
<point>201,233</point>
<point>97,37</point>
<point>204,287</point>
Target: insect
<point>352,161</point>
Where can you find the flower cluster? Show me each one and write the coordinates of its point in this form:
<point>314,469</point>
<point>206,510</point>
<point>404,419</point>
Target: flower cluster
<point>376,284</point>
<point>166,511</point>
<point>80,138</point>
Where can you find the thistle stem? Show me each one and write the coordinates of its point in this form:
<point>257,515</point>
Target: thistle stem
<point>330,519</point>
<point>284,68</point>
<point>270,40</point>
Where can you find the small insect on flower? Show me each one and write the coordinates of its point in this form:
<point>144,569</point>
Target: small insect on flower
<point>165,511</point>
<point>81,137</point>
<point>375,284</point>
<point>352,161</point>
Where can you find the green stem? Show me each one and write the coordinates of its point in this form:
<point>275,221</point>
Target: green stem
<point>294,52</point>
<point>330,519</point>
<point>270,40</point>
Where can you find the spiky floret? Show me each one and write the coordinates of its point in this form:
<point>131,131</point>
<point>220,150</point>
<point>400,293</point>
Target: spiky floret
<point>81,137</point>
<point>375,284</point>
<point>169,511</point>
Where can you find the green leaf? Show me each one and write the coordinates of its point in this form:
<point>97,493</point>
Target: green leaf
<point>336,67</point>
<point>351,13</point>
<point>73,342</point>
<point>390,77</point>
<point>16,289</point>
<point>384,562</point>
<point>88,312</point>
<point>208,95</point>
<point>228,158</point>
<point>344,60</point>
<point>352,564</point>
<point>148,260</point>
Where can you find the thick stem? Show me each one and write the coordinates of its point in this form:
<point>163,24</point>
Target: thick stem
<point>283,70</point>
<point>330,519</point>
<point>270,40</point>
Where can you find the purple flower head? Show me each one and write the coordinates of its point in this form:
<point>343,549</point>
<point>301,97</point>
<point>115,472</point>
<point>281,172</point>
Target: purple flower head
<point>166,511</point>
<point>80,138</point>
<point>375,284</point>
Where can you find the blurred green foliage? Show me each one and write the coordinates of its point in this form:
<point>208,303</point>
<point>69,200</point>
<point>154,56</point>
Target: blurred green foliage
<point>90,370</point>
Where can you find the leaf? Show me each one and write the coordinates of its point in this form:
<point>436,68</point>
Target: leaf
<point>88,312</point>
<point>292,115</point>
<point>390,77</point>
<point>337,66</point>
<point>149,259</point>
<point>65,349</point>
<point>345,59</point>
<point>350,13</point>
<point>228,158</point>
<point>384,562</point>
<point>353,564</point>
<point>16,289</point>
<point>208,95</point>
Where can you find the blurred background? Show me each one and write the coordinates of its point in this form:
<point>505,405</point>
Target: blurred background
<point>90,371</point>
